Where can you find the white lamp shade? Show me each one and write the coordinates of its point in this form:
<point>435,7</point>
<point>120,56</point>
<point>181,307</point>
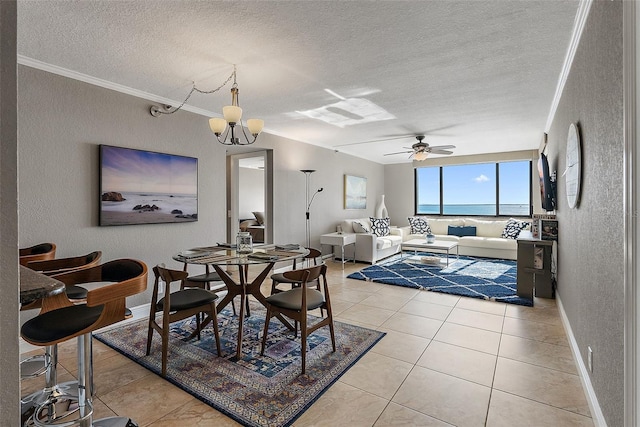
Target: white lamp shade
<point>232,114</point>
<point>217,125</point>
<point>420,156</point>
<point>255,126</point>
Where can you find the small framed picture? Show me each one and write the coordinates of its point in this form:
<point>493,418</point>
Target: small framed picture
<point>355,192</point>
<point>548,229</point>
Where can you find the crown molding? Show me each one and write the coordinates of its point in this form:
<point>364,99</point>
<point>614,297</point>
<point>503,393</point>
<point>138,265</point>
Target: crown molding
<point>34,63</point>
<point>578,28</point>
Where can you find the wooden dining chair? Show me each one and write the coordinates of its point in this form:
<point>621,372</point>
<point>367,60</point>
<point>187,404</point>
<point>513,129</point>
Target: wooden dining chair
<point>205,281</point>
<point>38,252</point>
<point>176,306</point>
<point>297,302</point>
<point>278,278</point>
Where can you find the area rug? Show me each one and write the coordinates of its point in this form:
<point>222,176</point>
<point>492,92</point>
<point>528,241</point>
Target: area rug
<point>255,390</point>
<point>484,278</point>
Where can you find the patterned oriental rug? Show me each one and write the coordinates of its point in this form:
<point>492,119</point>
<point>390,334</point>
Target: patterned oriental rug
<point>255,390</point>
<point>484,278</point>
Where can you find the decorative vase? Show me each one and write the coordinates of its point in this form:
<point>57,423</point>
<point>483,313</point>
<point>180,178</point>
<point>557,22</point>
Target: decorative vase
<point>244,243</point>
<point>381,209</point>
<point>430,238</point>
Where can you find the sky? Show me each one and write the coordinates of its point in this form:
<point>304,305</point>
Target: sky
<point>476,183</point>
<point>128,170</point>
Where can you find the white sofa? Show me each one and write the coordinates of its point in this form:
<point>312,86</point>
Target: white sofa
<point>488,241</point>
<point>369,247</point>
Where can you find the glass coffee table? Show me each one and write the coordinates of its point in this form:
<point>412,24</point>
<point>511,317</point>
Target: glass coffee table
<point>416,245</point>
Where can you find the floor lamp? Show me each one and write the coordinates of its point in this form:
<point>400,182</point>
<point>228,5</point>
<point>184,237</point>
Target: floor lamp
<point>308,202</point>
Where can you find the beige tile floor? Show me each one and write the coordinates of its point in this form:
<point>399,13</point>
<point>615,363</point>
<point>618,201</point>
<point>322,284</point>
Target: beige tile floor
<point>445,361</point>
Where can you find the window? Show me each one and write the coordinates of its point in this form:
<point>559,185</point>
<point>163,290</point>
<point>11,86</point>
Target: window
<point>487,189</point>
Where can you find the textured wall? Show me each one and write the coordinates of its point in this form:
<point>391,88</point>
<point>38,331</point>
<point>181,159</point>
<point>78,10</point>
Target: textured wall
<point>590,242</point>
<point>61,123</point>
<point>9,372</point>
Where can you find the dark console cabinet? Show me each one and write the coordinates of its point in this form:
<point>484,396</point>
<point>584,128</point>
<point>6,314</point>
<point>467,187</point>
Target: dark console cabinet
<point>534,268</point>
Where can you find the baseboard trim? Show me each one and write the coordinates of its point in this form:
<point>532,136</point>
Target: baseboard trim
<point>585,379</point>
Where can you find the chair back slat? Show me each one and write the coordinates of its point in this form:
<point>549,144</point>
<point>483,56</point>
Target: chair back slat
<point>299,274</point>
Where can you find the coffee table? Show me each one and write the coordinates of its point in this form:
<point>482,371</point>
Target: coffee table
<point>416,245</point>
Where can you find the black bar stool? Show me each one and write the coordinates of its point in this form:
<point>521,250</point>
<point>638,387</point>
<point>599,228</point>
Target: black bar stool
<point>104,306</point>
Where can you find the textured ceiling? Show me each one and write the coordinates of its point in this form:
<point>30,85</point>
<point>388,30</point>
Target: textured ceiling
<point>480,75</point>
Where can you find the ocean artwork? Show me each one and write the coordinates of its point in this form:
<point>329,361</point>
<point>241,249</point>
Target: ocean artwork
<point>355,192</point>
<point>145,187</point>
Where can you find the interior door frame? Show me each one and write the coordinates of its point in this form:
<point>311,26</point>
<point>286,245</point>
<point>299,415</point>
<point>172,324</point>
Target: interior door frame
<point>233,193</point>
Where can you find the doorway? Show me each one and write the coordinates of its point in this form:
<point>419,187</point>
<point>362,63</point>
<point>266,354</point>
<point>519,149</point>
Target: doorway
<point>250,195</point>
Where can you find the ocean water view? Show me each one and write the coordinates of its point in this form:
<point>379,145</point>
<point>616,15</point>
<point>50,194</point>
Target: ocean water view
<point>187,203</point>
<point>470,209</point>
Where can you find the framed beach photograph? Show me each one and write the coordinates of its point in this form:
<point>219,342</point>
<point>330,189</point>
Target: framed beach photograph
<point>355,192</point>
<point>146,187</point>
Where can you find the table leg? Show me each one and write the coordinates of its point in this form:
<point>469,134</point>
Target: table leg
<point>243,289</point>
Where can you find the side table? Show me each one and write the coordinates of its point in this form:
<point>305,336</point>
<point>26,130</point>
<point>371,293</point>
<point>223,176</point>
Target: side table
<point>342,240</point>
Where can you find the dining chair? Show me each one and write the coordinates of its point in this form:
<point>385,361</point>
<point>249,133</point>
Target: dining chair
<point>38,252</point>
<point>104,306</point>
<point>297,302</point>
<point>176,306</point>
<point>205,281</point>
<point>277,278</point>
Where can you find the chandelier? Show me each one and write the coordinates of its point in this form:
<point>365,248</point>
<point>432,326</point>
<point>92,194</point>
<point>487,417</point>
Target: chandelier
<point>232,116</point>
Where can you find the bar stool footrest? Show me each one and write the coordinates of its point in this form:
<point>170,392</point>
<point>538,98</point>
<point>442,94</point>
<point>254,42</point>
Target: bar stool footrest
<point>34,366</point>
<point>41,418</point>
<point>29,403</point>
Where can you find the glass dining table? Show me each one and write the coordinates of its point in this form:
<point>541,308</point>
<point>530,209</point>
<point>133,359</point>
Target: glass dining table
<point>221,258</point>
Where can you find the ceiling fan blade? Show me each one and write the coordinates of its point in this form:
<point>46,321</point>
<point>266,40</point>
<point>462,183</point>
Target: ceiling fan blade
<point>443,147</point>
<point>399,152</point>
<point>440,152</point>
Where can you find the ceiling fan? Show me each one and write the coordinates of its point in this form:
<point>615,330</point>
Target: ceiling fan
<point>420,150</point>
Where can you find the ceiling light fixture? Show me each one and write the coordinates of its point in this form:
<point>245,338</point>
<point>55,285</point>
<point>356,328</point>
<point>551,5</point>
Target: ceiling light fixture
<point>420,156</point>
<point>232,116</point>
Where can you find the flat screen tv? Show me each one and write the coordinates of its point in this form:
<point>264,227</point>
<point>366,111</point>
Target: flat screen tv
<point>146,187</point>
<point>547,186</point>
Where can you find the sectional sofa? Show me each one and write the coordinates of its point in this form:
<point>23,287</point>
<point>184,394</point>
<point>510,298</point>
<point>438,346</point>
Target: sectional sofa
<point>487,241</point>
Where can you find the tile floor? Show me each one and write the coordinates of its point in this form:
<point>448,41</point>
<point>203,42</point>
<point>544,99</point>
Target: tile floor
<point>445,361</point>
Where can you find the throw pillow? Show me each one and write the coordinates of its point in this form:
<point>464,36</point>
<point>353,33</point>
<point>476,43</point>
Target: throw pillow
<point>259,217</point>
<point>461,230</point>
<point>419,225</point>
<point>360,227</point>
<point>513,228</point>
<point>380,226</point>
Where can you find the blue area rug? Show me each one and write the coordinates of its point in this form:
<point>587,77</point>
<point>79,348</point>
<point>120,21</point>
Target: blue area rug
<point>484,278</point>
<point>254,390</point>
